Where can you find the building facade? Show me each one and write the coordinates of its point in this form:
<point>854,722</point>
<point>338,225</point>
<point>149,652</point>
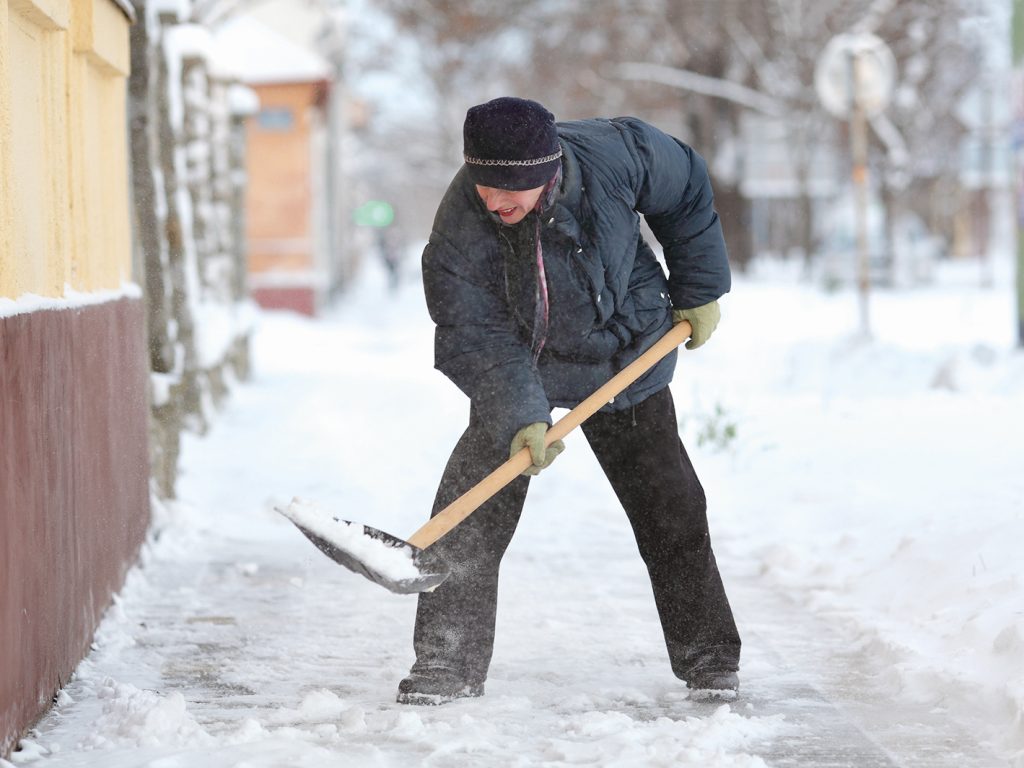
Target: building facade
<point>74,470</point>
<point>295,256</point>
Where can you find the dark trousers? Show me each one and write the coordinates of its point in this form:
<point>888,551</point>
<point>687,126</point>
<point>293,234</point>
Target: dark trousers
<point>642,456</point>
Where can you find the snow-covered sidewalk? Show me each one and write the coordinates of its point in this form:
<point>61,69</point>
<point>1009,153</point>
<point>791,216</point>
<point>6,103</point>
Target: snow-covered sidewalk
<point>866,502</point>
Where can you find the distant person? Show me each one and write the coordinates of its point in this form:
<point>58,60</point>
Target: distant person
<point>542,288</point>
<point>390,257</point>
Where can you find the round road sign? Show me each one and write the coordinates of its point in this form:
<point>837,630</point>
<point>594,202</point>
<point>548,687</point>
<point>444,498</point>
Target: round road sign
<point>855,65</point>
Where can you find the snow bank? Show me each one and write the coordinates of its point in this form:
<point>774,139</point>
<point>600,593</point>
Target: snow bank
<point>878,481</point>
<point>136,718</point>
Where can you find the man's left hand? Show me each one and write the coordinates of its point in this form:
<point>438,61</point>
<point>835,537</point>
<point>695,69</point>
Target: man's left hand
<point>703,320</point>
<point>532,436</point>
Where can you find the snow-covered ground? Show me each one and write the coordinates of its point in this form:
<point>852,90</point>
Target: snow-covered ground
<point>866,502</point>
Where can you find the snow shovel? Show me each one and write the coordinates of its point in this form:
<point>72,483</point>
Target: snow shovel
<point>409,566</point>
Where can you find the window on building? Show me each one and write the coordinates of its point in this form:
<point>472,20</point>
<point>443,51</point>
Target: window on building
<point>276,119</point>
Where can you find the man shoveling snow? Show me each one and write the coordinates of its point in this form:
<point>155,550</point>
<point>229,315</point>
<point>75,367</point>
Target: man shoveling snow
<point>541,288</point>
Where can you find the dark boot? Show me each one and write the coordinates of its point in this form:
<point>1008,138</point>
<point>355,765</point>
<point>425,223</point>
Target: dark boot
<point>435,686</point>
<point>713,684</point>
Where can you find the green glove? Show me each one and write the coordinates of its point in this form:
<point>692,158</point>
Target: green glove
<point>703,319</point>
<point>532,436</point>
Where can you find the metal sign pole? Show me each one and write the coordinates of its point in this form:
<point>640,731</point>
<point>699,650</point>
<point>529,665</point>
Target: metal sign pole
<point>859,147</point>
<point>854,78</point>
<point>1018,79</point>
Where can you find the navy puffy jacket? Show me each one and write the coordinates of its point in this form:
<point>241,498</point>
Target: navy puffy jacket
<point>609,297</point>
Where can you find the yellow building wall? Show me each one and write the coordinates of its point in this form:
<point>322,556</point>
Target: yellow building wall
<point>5,145</point>
<point>64,219</point>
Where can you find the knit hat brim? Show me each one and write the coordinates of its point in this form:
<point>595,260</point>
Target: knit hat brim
<point>513,178</point>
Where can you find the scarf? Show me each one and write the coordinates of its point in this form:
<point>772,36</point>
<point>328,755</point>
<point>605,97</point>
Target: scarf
<point>521,245</point>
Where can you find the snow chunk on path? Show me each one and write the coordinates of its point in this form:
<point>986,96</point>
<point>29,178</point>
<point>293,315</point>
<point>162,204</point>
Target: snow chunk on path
<point>138,718</point>
<point>615,738</point>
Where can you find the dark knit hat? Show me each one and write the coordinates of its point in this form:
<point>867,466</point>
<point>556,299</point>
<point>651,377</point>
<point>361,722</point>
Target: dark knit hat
<point>510,143</point>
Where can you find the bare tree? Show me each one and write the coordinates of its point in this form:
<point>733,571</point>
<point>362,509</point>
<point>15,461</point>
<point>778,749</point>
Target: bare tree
<point>761,58</point>
<point>702,69</point>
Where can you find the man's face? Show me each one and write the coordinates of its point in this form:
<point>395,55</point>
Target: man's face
<point>512,207</point>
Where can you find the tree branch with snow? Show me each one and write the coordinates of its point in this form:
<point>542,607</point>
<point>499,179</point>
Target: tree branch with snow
<point>701,84</point>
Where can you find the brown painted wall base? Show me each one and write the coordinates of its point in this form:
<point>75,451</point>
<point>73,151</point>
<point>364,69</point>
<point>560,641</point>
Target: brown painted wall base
<point>74,490</point>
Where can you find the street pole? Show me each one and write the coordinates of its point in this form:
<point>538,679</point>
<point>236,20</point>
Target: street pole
<point>854,78</point>
<point>1018,118</point>
<point>859,150</point>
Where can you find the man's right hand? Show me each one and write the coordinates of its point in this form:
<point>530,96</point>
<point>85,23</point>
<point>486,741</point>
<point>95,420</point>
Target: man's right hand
<point>532,437</point>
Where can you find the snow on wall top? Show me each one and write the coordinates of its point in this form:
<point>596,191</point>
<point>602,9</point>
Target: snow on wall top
<point>261,55</point>
<point>72,299</point>
<point>243,100</point>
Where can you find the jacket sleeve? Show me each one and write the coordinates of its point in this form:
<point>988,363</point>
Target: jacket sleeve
<point>673,192</point>
<point>475,343</point>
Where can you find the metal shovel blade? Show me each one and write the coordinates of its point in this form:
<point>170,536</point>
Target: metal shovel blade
<point>384,559</point>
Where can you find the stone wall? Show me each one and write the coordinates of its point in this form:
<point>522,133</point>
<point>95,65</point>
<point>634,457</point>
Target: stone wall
<point>188,152</point>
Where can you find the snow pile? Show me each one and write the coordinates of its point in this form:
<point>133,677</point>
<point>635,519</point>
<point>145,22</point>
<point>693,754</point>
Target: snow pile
<point>322,706</point>
<point>589,737</point>
<point>881,483</point>
<point>136,718</point>
<point>394,563</point>
<point>615,738</point>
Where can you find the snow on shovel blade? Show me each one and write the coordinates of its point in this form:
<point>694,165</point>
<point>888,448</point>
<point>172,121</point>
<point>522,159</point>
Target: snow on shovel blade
<point>382,558</point>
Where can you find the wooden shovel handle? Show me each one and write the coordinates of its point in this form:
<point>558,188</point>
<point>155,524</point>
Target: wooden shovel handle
<point>463,506</point>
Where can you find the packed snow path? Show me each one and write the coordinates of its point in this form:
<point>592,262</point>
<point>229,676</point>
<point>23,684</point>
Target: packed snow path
<point>238,644</point>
